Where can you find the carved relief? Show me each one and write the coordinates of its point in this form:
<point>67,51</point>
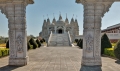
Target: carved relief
<point>19,43</point>
<point>97,43</point>
<point>89,43</point>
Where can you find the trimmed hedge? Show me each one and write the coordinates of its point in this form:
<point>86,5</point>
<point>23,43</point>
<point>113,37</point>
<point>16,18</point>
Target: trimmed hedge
<point>105,43</point>
<point>29,46</point>
<point>32,42</point>
<point>38,42</point>
<point>76,40</point>
<point>117,50</point>
<point>81,44</point>
<point>7,44</point>
<point>4,52</point>
<point>109,52</point>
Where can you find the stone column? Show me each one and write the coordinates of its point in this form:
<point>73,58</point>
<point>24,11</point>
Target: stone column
<point>16,12</point>
<point>91,60</point>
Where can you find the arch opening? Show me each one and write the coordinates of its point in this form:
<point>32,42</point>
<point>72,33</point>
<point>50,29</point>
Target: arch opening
<point>60,31</point>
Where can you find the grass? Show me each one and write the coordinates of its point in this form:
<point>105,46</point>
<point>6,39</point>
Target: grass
<point>3,45</point>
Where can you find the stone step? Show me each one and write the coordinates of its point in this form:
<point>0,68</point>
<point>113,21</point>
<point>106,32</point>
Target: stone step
<point>59,40</point>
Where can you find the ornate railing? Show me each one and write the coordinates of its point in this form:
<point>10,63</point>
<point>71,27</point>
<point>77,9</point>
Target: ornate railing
<point>69,38</point>
<point>49,38</point>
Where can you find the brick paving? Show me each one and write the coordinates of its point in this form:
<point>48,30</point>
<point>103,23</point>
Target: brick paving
<point>56,59</point>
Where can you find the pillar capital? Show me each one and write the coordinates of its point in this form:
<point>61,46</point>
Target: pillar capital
<point>84,1</point>
<point>103,5</point>
<point>12,1</point>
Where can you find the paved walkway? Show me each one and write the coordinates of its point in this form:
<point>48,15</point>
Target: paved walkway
<point>56,59</point>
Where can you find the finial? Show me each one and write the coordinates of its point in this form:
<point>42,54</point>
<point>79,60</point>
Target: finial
<point>73,15</point>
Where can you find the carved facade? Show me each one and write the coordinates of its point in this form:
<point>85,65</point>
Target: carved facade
<point>60,27</point>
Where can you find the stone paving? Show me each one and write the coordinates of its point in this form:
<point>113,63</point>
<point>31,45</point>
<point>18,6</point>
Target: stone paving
<point>56,59</point>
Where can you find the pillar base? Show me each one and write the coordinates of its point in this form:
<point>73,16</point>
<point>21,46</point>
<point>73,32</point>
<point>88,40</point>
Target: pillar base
<point>90,68</point>
<point>18,61</point>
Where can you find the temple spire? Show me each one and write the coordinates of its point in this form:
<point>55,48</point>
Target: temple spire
<point>48,21</point>
<point>60,17</point>
<point>72,21</point>
<point>54,20</point>
<point>66,20</point>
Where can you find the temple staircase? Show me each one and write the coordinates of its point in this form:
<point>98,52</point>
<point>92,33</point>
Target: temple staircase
<point>59,40</point>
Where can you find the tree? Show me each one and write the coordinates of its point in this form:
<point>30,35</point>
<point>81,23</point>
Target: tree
<point>105,43</point>
<point>38,42</point>
<point>117,50</point>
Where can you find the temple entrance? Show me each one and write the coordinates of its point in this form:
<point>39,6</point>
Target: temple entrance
<point>60,31</point>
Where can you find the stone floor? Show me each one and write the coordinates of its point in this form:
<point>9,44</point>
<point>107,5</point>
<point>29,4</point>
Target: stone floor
<point>56,59</point>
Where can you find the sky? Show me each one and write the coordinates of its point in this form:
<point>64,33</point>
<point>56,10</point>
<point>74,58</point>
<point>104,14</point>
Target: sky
<point>35,12</point>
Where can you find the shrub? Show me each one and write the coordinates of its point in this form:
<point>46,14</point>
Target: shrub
<point>109,52</point>
<point>43,40</point>
<point>105,43</point>
<point>81,44</point>
<point>32,42</point>
<point>117,50</point>
<point>35,45</point>
<point>7,44</point>
<point>4,52</point>
<point>78,42</point>
<point>28,45</point>
<point>38,42</point>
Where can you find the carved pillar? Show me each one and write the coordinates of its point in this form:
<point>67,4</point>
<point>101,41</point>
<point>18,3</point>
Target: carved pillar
<point>15,11</point>
<point>93,12</point>
<point>91,59</point>
<point>17,33</point>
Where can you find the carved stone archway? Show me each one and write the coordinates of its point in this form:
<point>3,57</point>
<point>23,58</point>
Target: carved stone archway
<point>94,10</point>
